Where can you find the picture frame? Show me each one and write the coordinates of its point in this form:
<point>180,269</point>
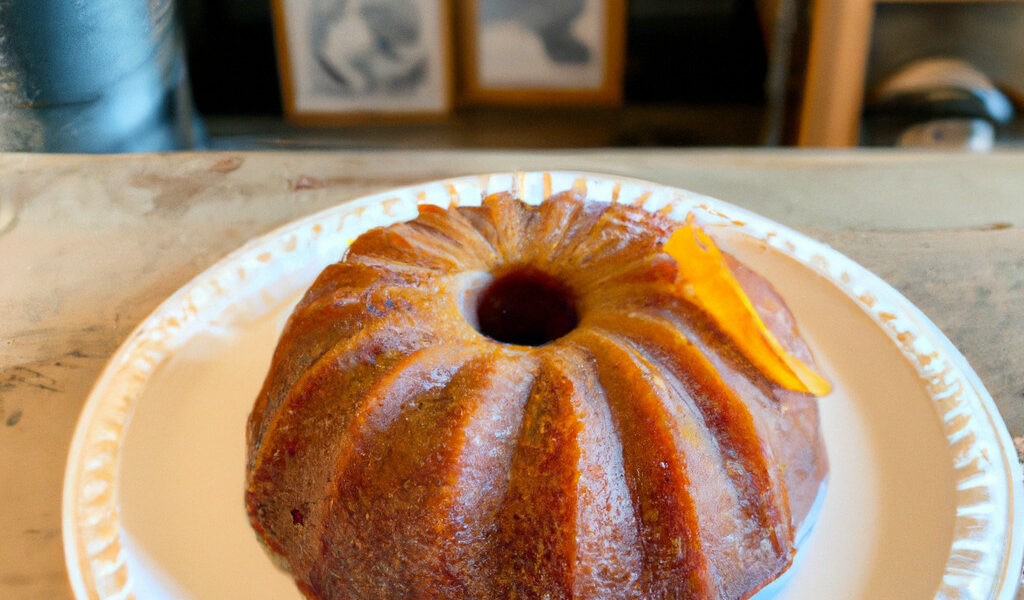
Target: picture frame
<point>347,62</point>
<point>550,52</point>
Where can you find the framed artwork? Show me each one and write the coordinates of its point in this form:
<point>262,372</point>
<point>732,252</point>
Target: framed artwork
<point>541,51</point>
<point>352,61</point>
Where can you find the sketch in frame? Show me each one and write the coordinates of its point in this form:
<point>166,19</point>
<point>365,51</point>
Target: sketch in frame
<point>344,60</point>
<point>545,49</point>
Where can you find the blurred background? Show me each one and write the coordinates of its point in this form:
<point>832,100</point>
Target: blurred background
<point>410,73</point>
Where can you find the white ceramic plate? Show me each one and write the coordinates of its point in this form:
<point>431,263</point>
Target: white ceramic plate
<point>924,494</point>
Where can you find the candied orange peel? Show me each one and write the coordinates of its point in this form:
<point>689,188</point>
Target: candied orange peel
<point>705,279</point>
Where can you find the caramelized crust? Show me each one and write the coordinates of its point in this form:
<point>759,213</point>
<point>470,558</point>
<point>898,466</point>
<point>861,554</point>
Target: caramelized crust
<point>396,452</point>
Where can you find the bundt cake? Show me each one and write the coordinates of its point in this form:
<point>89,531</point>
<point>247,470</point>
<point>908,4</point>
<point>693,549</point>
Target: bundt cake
<point>516,401</point>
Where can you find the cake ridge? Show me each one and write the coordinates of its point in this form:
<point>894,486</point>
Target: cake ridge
<point>320,311</point>
<point>473,565</point>
<point>657,473</point>
<point>762,398</point>
<point>584,220</point>
<point>321,419</point>
<point>324,359</point>
<point>400,243</point>
<point>368,465</point>
<point>505,214</point>
<point>435,219</point>
<point>549,230</point>
<point>540,558</point>
<point>718,405</point>
<point>601,532</point>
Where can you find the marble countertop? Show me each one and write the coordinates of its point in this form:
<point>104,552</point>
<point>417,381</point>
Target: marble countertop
<point>89,245</point>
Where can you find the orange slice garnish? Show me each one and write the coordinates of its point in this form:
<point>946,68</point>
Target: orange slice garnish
<point>705,279</point>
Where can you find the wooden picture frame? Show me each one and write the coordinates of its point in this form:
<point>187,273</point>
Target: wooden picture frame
<point>334,73</point>
<point>541,52</point>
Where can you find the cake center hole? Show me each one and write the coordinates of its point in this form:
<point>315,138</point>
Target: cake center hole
<point>526,307</point>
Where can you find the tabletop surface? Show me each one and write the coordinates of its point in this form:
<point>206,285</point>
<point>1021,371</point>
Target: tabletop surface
<point>90,245</point>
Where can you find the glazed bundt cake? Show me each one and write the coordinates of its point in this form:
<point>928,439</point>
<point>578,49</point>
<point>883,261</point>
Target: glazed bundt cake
<point>515,401</point>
